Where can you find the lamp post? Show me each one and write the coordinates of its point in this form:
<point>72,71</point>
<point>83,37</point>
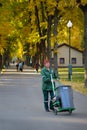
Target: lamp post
<point>69,25</point>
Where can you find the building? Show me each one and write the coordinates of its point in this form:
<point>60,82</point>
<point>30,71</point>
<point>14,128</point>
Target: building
<point>63,56</point>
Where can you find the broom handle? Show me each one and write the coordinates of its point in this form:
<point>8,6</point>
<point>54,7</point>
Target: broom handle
<point>52,84</point>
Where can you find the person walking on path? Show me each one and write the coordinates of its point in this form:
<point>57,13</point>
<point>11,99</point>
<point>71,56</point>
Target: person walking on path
<point>47,88</point>
<point>21,66</point>
<point>17,65</point>
<point>37,67</point>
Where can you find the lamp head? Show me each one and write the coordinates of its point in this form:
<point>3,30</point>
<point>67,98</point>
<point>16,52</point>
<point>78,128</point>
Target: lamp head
<point>69,24</point>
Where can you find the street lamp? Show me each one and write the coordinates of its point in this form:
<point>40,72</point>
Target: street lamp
<point>69,25</point>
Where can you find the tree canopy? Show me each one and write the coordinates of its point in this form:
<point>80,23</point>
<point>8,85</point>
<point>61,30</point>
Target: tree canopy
<point>26,23</point>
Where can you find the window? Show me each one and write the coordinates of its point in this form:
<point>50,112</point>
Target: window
<point>73,60</point>
<point>62,61</point>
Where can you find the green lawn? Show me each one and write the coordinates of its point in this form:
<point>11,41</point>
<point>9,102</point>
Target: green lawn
<point>77,74</point>
<point>77,82</point>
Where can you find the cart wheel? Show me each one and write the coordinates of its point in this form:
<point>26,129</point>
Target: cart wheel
<point>55,111</point>
<point>70,112</point>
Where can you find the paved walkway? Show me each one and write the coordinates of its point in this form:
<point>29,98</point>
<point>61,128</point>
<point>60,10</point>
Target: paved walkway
<point>26,70</point>
<point>21,106</point>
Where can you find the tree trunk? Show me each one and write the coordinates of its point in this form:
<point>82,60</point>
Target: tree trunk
<point>85,58</point>
<point>84,9</point>
<point>41,33</point>
<point>44,32</point>
<point>49,37</point>
<point>0,61</point>
<point>56,40</point>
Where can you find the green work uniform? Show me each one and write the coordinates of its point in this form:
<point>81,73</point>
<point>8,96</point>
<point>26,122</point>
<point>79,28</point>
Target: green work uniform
<point>47,85</point>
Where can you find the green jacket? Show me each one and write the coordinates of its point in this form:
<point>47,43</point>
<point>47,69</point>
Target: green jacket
<point>46,78</point>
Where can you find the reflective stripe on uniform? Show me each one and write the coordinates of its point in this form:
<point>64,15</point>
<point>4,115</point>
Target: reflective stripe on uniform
<point>45,101</point>
<point>43,76</point>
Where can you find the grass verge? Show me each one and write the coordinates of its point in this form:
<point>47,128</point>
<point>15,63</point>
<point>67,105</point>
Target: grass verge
<point>77,82</point>
<point>77,86</point>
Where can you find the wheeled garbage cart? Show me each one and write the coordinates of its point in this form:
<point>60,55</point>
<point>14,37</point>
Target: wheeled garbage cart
<point>64,99</point>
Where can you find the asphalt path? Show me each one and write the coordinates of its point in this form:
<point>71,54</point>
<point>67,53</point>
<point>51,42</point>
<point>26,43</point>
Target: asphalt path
<point>21,106</point>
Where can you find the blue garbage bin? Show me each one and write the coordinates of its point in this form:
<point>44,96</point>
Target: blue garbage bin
<point>65,93</point>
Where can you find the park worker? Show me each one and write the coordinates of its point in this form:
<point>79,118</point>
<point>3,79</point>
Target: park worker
<point>47,87</point>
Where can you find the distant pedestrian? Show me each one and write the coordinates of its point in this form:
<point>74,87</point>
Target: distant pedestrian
<point>20,66</point>
<point>17,66</point>
<point>37,67</point>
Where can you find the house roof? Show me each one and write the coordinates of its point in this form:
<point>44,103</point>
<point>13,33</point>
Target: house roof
<point>64,44</point>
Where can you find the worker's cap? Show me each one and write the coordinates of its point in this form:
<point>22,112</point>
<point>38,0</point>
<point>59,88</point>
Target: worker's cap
<point>46,61</point>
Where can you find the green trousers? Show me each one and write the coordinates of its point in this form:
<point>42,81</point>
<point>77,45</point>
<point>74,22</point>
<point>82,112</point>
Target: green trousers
<point>46,94</point>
